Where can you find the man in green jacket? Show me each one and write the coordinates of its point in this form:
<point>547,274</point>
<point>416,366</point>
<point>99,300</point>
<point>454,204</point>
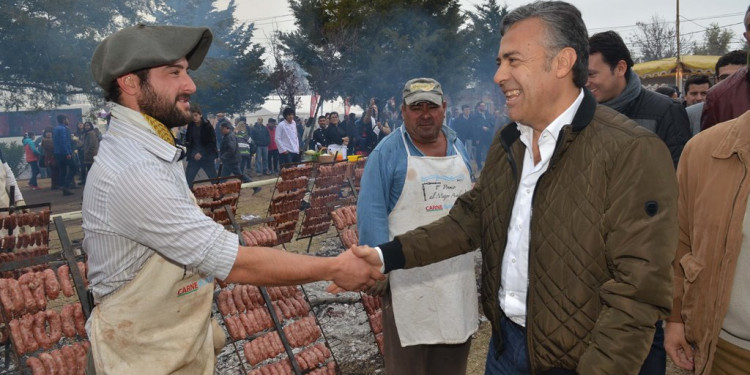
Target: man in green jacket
<point>575,214</point>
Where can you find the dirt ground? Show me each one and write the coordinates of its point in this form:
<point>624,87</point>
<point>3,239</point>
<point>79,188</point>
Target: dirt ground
<point>256,205</point>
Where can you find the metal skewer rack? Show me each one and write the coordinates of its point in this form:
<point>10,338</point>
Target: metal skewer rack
<point>283,319</point>
<point>15,358</point>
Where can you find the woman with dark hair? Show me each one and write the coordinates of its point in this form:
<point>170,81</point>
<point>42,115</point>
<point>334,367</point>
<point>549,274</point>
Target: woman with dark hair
<point>32,158</point>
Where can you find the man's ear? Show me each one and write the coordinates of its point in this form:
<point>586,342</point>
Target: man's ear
<point>621,68</point>
<point>566,58</point>
<point>128,84</point>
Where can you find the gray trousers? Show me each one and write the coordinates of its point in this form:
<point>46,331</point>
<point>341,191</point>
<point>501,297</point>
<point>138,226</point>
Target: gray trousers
<point>440,359</point>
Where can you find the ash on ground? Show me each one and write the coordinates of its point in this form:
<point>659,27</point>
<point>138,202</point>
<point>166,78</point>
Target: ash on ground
<point>343,320</point>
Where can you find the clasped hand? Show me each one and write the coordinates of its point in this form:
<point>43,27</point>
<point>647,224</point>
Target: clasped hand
<point>358,269</point>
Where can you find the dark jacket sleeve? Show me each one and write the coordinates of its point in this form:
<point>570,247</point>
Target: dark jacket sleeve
<point>675,130</point>
<point>208,138</point>
<point>228,147</point>
<point>454,234</point>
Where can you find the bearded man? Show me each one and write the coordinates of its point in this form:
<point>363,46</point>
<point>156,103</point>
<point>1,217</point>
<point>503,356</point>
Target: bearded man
<point>153,254</point>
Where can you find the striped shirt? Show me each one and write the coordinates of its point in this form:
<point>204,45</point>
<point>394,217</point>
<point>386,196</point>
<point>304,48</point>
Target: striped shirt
<point>137,203</point>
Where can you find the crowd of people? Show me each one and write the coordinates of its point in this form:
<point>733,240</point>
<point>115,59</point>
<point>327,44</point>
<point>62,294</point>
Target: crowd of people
<point>260,149</point>
<point>61,155</point>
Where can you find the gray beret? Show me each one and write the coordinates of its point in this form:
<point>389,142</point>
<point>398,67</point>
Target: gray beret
<point>141,46</point>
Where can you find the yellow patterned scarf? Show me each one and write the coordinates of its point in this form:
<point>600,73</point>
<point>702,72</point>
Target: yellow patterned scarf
<point>160,129</point>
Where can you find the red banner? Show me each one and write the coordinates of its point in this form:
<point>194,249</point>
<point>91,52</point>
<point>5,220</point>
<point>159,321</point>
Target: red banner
<point>347,107</point>
<point>313,104</point>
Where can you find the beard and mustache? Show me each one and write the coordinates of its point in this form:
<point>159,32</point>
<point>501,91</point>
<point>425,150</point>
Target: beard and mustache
<point>160,107</point>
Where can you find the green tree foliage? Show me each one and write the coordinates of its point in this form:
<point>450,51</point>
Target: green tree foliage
<point>484,43</point>
<point>14,154</point>
<point>369,49</point>
<point>47,47</point>
<point>232,78</point>
<point>715,41</point>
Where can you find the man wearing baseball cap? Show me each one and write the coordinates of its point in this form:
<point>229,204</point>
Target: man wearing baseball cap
<point>153,254</point>
<point>412,178</point>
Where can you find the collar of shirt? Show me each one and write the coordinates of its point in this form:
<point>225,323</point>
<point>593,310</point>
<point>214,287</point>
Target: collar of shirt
<point>131,124</point>
<point>450,137</point>
<point>551,132</point>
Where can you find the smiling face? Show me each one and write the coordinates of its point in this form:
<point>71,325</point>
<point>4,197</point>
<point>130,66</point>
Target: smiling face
<point>165,95</point>
<point>527,75</point>
<point>605,82</point>
<point>334,119</point>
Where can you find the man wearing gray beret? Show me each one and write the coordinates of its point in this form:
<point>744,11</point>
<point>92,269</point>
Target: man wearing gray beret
<point>153,254</point>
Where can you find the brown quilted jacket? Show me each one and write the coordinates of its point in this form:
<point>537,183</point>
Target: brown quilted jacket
<point>603,235</point>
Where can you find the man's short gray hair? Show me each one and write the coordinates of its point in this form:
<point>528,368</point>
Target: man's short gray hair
<point>564,28</point>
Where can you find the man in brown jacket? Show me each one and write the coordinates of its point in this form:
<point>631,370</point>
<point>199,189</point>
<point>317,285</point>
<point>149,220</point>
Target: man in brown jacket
<point>575,214</point>
<point>709,330</point>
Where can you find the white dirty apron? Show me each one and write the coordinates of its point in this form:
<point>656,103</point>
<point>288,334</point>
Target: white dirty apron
<point>435,304</point>
<point>158,323</point>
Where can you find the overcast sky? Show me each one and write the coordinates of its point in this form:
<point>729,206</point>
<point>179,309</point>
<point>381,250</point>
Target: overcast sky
<point>599,15</point>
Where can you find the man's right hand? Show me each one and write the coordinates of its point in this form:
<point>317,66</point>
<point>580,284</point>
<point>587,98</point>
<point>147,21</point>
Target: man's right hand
<point>356,270</point>
<point>197,156</point>
<point>676,346</point>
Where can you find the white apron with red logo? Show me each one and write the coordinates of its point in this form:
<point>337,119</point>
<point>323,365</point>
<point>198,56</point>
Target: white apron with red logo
<point>435,304</point>
<point>158,323</point>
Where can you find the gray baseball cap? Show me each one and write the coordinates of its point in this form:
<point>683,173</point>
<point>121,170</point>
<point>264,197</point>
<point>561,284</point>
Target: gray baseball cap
<point>141,46</point>
<point>423,90</point>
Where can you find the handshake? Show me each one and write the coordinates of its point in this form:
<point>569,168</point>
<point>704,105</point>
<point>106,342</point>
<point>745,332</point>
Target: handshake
<point>356,269</point>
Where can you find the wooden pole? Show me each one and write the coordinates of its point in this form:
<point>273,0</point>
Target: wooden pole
<point>678,72</point>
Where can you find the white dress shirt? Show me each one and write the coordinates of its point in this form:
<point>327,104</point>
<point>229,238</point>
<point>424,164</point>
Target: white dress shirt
<point>514,276</point>
<point>286,137</point>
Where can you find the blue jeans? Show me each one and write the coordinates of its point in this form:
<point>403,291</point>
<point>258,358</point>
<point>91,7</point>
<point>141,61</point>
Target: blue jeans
<point>66,168</point>
<point>656,361</point>
<point>246,163</point>
<point>193,166</point>
<point>34,172</point>
<point>233,169</point>
<point>273,161</point>
<point>261,160</point>
<point>514,358</point>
